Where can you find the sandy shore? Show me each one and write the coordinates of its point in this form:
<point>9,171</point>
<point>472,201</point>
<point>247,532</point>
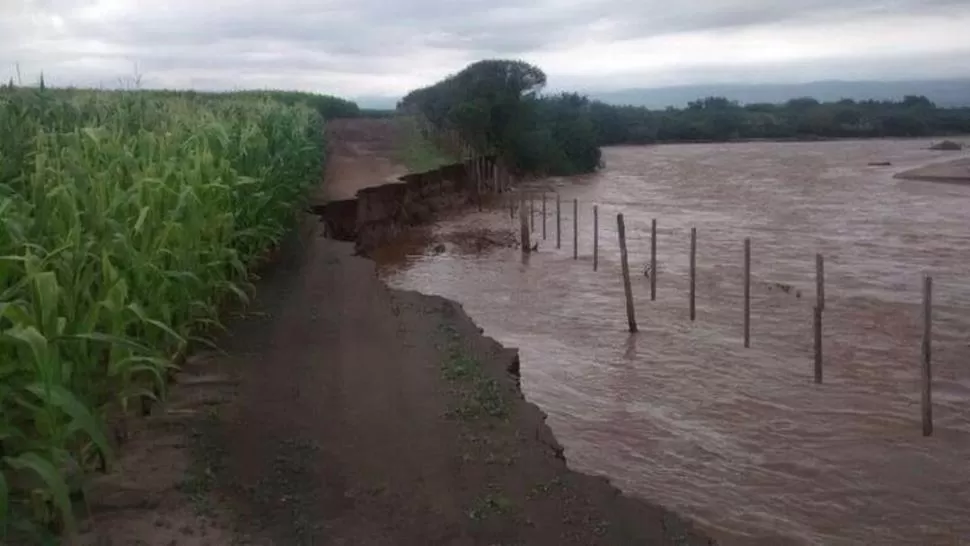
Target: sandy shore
<point>954,171</point>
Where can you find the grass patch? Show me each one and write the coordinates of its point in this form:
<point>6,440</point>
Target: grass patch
<point>415,151</point>
<point>479,395</point>
<point>491,505</point>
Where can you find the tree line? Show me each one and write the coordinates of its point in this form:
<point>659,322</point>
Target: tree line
<point>496,107</point>
<point>719,119</point>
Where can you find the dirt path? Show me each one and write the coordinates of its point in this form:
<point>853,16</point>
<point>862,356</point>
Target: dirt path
<point>360,153</point>
<point>370,416</point>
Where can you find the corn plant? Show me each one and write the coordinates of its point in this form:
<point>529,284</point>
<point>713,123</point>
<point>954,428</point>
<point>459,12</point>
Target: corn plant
<point>128,219</point>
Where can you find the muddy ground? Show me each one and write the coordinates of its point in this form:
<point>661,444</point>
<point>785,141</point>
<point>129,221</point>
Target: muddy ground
<point>343,412</point>
<point>360,153</point>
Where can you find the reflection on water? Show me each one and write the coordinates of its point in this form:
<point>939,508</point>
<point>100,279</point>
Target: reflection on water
<point>682,414</point>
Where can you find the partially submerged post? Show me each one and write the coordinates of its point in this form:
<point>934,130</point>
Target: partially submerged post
<point>543,216</point>
<point>653,259</point>
<point>819,282</point>
<point>558,221</point>
<point>693,270</point>
<point>817,329</point>
<point>532,211</point>
<point>625,266</point>
<point>747,292</point>
<point>524,227</point>
<point>575,229</point>
<point>596,237</point>
<point>927,376</point>
<point>512,199</point>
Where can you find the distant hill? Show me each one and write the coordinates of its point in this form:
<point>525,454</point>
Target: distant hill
<point>945,93</point>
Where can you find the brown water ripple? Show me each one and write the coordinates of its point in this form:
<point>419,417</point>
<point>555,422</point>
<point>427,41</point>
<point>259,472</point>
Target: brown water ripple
<point>681,413</point>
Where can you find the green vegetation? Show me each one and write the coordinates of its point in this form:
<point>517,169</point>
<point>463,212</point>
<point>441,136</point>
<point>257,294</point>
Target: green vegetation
<point>494,107</point>
<point>129,220</point>
<point>718,119</point>
<point>479,394</point>
<point>415,151</point>
<point>491,505</point>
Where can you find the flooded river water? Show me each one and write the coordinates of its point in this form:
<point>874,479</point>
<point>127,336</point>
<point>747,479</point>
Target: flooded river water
<point>681,413</point>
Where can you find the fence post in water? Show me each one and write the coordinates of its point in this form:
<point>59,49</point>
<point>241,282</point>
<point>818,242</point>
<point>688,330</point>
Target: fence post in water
<point>543,216</point>
<point>558,221</point>
<point>817,328</point>
<point>532,211</point>
<point>596,237</point>
<point>524,226</point>
<point>480,175</point>
<point>625,266</point>
<point>693,270</point>
<point>653,259</point>
<point>575,229</point>
<point>927,398</point>
<point>747,292</point>
<point>820,282</point>
<point>512,199</point>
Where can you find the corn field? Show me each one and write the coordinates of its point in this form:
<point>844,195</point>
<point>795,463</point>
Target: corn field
<point>129,219</point>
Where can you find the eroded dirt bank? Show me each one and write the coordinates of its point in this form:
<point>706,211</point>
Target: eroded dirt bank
<point>367,415</point>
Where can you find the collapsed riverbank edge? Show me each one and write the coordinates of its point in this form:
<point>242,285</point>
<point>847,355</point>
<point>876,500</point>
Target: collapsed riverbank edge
<point>379,214</point>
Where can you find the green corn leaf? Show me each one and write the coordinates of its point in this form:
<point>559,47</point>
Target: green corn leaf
<point>62,399</point>
<point>4,504</point>
<point>142,316</point>
<point>32,338</point>
<point>55,483</point>
<point>112,340</point>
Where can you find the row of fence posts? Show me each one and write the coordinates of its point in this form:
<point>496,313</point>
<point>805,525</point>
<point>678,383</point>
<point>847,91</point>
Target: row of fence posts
<point>817,310</point>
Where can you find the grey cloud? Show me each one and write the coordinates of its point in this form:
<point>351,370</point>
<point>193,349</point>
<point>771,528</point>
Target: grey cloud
<point>366,37</point>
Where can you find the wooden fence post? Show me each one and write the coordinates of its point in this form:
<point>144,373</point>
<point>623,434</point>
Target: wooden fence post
<point>625,266</point>
<point>817,330</point>
<point>596,237</point>
<point>927,397</point>
<point>558,221</point>
<point>532,211</point>
<point>543,216</point>
<point>693,271</point>
<point>820,282</point>
<point>653,259</point>
<point>523,225</point>
<point>575,229</point>
<point>512,199</point>
<point>747,292</point>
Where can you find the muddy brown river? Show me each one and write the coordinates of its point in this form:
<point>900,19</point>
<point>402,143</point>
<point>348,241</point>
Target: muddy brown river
<point>681,413</point>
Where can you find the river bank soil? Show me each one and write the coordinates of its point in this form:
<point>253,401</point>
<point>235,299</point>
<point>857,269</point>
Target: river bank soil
<point>360,153</point>
<point>372,416</point>
<point>954,171</point>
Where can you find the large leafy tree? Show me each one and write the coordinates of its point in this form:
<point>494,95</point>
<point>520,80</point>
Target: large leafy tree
<point>496,108</point>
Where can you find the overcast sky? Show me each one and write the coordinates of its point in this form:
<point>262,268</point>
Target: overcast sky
<point>386,47</point>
